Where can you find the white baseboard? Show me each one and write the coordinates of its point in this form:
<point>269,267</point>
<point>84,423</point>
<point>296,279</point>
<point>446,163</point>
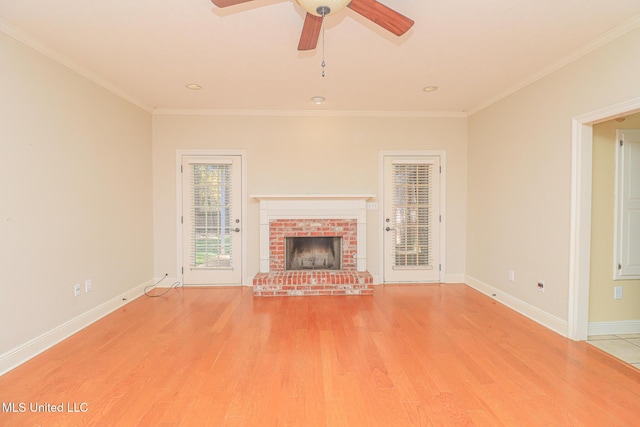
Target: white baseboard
<point>454,278</point>
<point>37,345</point>
<point>534,313</point>
<point>448,278</point>
<point>614,328</point>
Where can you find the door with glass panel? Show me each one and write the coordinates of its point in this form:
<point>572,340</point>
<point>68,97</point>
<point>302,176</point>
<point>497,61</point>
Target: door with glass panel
<point>211,226</point>
<point>411,219</point>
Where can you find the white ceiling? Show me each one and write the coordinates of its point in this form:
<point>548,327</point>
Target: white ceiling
<point>245,57</point>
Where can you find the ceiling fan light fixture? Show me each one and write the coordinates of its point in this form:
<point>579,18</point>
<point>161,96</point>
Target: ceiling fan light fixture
<point>317,7</point>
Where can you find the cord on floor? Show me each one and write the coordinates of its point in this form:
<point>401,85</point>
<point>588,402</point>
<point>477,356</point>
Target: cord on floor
<point>175,285</point>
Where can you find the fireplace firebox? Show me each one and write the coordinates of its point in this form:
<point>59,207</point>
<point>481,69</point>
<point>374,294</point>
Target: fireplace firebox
<point>313,253</point>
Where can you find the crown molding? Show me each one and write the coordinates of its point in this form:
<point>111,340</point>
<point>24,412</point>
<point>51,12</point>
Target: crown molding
<point>308,113</point>
<point>611,35</point>
<point>47,51</point>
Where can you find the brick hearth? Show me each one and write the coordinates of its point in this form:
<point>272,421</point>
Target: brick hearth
<point>313,283</point>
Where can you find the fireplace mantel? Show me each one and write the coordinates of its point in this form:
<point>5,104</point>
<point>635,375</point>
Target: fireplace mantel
<point>313,206</point>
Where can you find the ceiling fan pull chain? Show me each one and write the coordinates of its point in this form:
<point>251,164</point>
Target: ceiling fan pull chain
<point>323,63</point>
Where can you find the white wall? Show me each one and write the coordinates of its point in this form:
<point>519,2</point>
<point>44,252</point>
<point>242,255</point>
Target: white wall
<point>75,185</point>
<point>303,154</point>
<point>520,177</point>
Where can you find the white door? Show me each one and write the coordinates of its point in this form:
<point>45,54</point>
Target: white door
<point>411,198</point>
<point>628,205</point>
<point>211,213</point>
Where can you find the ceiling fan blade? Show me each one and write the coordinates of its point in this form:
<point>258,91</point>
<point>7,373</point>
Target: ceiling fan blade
<point>382,15</point>
<point>225,3</point>
<point>310,32</point>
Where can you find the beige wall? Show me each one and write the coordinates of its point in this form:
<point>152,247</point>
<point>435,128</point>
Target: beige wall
<point>520,174</point>
<point>302,154</point>
<point>602,306</point>
<point>75,186</point>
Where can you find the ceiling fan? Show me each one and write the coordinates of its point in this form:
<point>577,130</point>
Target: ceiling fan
<point>374,11</point>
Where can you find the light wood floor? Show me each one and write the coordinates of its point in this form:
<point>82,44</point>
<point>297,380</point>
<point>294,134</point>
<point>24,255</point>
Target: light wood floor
<point>427,355</point>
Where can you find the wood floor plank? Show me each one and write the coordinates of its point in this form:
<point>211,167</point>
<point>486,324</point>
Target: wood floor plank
<point>294,412</point>
<point>358,413</point>
<point>410,355</point>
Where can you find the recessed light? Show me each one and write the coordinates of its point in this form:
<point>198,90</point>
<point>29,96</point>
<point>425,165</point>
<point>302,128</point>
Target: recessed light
<point>430,88</point>
<point>317,99</point>
<point>193,86</point>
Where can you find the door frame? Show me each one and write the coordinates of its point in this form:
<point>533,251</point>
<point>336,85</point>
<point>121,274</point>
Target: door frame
<point>581,190</point>
<point>442,154</point>
<point>180,153</point>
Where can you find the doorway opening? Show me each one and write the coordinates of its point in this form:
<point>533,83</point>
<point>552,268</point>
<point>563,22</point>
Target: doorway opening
<point>581,190</point>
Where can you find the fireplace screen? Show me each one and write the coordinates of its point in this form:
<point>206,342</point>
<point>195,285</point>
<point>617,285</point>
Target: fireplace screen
<point>313,253</point>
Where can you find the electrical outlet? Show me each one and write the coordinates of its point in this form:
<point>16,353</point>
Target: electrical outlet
<point>76,290</point>
<point>88,286</point>
<point>541,285</point>
<point>617,292</point>
<point>512,276</point>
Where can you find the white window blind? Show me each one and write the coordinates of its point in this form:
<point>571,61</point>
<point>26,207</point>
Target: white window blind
<point>210,215</point>
<point>412,209</point>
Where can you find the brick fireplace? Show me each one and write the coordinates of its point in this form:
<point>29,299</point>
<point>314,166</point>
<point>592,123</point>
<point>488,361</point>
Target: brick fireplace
<point>314,230</point>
